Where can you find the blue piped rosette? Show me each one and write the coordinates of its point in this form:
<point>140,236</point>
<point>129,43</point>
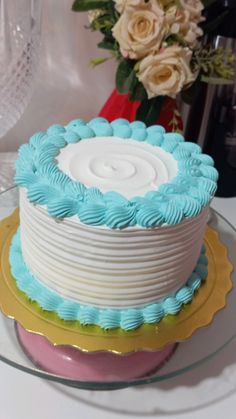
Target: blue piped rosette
<point>184,196</point>
<point>126,319</point>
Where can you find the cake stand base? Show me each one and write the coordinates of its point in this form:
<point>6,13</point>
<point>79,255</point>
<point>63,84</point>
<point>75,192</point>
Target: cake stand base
<point>101,366</point>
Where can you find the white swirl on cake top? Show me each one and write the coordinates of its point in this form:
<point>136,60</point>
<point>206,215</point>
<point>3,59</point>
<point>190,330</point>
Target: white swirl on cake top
<point>126,166</point>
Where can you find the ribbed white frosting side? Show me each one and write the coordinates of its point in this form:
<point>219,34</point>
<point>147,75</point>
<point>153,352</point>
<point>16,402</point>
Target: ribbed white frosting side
<point>105,267</point>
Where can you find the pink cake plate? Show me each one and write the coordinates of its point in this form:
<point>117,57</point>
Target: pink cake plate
<point>102,366</point>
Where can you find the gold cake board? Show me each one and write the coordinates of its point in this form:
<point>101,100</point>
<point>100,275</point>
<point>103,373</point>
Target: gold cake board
<point>210,298</point>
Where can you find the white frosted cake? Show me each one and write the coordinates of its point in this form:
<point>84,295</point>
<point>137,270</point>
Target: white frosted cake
<point>112,220</point>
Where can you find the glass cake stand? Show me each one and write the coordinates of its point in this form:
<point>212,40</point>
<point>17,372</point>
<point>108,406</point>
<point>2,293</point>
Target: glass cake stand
<point>205,343</point>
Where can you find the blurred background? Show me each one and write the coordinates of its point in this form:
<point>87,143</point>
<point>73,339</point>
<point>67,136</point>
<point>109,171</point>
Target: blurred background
<point>65,85</point>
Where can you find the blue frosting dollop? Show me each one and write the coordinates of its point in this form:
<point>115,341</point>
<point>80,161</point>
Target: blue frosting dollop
<point>126,319</point>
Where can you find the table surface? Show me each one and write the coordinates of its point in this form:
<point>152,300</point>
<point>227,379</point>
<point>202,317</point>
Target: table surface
<point>206,392</point>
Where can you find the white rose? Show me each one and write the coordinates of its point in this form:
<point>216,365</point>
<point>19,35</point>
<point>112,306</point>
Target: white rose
<point>186,28</point>
<point>191,33</point>
<point>121,5</point>
<point>194,7</point>
<point>167,72</point>
<point>140,31</point>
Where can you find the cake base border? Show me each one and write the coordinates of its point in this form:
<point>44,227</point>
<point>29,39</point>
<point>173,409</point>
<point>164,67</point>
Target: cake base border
<point>149,337</point>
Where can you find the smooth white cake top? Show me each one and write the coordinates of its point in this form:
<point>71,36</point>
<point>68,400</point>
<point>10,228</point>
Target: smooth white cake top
<point>127,166</point>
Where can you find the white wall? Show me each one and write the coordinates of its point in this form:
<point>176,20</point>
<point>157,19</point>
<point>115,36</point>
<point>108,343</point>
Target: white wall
<point>65,86</point>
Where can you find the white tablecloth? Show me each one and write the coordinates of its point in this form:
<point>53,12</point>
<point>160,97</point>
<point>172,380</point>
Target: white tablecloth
<point>206,392</point>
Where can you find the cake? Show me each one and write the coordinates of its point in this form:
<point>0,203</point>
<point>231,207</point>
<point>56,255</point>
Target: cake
<point>112,221</point>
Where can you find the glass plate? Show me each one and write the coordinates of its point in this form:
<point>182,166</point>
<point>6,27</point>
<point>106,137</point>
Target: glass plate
<point>201,347</point>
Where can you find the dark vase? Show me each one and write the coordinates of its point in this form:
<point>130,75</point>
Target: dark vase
<point>212,116</point>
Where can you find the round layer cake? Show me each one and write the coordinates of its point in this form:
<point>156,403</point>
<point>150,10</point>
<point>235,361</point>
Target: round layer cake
<point>112,219</point>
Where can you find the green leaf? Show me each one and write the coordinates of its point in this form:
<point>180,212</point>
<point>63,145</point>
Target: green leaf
<point>211,26</point>
<point>107,32</point>
<point>150,109</point>
<point>125,76</point>
<point>107,45</point>
<point>173,39</point>
<point>85,5</point>
<point>138,93</point>
<point>208,3</point>
<point>100,60</point>
<point>103,21</point>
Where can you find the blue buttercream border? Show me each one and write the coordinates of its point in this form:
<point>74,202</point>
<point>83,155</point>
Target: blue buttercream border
<point>183,197</point>
<point>126,319</point>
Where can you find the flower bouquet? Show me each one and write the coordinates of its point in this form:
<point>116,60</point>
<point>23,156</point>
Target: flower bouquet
<point>160,53</point>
